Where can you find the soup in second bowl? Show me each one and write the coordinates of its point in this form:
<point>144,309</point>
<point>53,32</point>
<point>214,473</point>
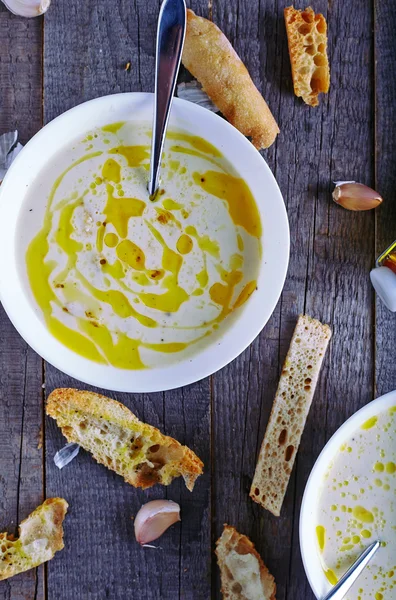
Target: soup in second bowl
<point>357,506</point>
<point>130,282</point>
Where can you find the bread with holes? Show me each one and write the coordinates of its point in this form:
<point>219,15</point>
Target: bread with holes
<point>40,536</point>
<point>290,409</point>
<point>138,452</point>
<point>210,57</point>
<point>244,576</point>
<point>307,40</point>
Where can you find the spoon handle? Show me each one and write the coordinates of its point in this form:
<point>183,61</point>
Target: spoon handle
<point>342,587</point>
<point>170,39</point>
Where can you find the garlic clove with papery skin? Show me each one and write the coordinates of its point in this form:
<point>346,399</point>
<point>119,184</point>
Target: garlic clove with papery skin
<point>154,518</point>
<point>27,8</point>
<point>355,196</point>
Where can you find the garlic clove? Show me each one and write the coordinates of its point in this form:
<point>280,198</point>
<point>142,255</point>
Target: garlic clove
<point>355,196</point>
<point>154,518</point>
<point>27,8</point>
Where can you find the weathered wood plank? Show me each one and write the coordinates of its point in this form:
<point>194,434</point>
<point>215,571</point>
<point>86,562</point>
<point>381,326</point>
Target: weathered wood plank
<point>331,252</point>
<point>109,563</point>
<point>101,558</point>
<point>95,50</point>
<point>187,418</point>
<point>341,249</point>
<point>385,135</point>
<point>20,74</point>
<point>243,392</point>
<point>21,456</point>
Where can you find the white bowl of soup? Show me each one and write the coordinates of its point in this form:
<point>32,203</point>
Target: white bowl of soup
<point>350,502</point>
<point>128,293</point>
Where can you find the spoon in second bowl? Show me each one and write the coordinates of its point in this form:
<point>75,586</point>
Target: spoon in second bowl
<point>170,39</point>
<point>343,586</point>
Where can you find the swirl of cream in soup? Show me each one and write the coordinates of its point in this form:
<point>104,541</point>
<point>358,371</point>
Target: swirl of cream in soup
<point>126,281</point>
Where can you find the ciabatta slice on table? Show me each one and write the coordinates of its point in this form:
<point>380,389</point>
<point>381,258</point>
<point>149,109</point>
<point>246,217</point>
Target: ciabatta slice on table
<point>244,576</point>
<point>307,39</point>
<point>289,413</point>
<point>40,536</point>
<point>117,439</point>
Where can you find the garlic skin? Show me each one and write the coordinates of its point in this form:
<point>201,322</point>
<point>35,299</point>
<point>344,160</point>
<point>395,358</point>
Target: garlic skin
<point>66,454</point>
<point>9,150</point>
<point>27,8</point>
<point>154,518</point>
<point>193,92</point>
<point>355,196</point>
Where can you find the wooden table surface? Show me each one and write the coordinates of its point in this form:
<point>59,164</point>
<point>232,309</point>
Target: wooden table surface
<point>78,51</point>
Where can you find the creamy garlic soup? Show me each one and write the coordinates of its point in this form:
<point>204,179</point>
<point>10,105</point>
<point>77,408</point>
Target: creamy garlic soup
<point>358,506</point>
<point>130,282</point>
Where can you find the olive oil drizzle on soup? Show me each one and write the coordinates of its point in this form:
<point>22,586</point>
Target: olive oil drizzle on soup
<point>125,281</point>
<point>357,506</point>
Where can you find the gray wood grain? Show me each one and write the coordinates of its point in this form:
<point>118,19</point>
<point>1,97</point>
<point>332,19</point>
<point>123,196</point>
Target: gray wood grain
<point>341,252</point>
<point>88,59</point>
<point>331,253</point>
<point>92,63</point>
<point>21,454</point>
<point>20,74</point>
<point>86,48</point>
<point>243,392</point>
<point>248,385</point>
<point>385,155</point>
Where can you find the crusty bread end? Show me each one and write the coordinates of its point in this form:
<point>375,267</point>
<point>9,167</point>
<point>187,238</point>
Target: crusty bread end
<point>210,57</point>
<point>117,439</point>
<point>244,576</point>
<point>40,536</point>
<point>289,413</point>
<point>307,39</point>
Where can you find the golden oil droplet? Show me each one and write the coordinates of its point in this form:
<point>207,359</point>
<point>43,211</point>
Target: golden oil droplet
<point>331,576</point>
<point>370,423</point>
<point>111,240</point>
<point>363,515</point>
<point>184,244</point>
<point>321,536</point>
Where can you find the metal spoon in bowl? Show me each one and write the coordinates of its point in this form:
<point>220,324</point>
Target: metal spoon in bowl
<point>343,586</point>
<point>170,39</point>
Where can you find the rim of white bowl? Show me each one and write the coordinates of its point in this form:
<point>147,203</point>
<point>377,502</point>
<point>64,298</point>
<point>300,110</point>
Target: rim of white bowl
<point>275,242</point>
<point>310,556</point>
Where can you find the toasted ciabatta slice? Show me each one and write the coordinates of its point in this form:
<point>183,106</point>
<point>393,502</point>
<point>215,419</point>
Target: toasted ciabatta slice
<point>244,576</point>
<point>307,39</point>
<point>117,439</point>
<point>210,57</point>
<point>40,536</point>
<point>289,413</point>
